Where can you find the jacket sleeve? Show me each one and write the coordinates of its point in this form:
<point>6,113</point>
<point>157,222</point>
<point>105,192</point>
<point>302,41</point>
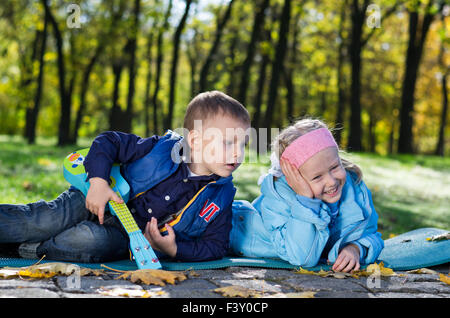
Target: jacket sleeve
<point>212,244</point>
<point>370,240</point>
<point>115,147</point>
<point>298,229</point>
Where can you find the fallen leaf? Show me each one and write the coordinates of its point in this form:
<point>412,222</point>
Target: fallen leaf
<point>370,269</point>
<point>125,292</point>
<point>44,162</point>
<point>153,276</point>
<point>322,273</point>
<point>27,185</point>
<point>439,237</point>
<point>47,270</point>
<point>384,271</point>
<point>237,291</point>
<point>305,294</point>
<point>422,271</point>
<point>444,278</point>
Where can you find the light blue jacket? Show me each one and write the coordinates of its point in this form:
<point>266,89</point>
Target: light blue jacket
<point>281,224</point>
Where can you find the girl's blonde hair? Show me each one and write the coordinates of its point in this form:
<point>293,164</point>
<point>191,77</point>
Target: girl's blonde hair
<point>301,127</point>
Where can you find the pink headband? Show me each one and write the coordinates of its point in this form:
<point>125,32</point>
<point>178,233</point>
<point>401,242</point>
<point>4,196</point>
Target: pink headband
<point>306,146</point>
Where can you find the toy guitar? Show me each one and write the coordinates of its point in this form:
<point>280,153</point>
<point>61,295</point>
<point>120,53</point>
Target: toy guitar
<point>75,174</point>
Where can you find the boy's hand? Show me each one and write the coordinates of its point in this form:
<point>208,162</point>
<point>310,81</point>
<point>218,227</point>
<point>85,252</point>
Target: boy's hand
<point>165,244</point>
<point>295,179</point>
<point>348,259</point>
<point>98,196</point>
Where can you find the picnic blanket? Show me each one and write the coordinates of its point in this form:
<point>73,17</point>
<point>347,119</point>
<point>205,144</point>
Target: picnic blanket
<point>419,248</point>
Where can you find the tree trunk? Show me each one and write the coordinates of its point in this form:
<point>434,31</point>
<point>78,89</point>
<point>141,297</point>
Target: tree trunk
<point>418,29</point>
<point>159,61</point>
<point>116,115</point>
<point>32,114</point>
<point>340,77</point>
<point>64,122</point>
<point>277,66</point>
<point>131,51</point>
<point>203,85</point>
<point>355,134</point>
<point>173,71</point>
<point>193,59</point>
<point>258,23</point>
<point>256,121</point>
<point>148,81</point>
<point>289,70</point>
<point>84,88</point>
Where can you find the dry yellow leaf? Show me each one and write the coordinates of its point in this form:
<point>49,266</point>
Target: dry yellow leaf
<point>384,271</point>
<point>322,273</point>
<point>125,292</point>
<point>153,276</point>
<point>47,270</point>
<point>370,269</point>
<point>444,278</point>
<point>237,291</point>
<point>422,271</point>
<point>305,294</point>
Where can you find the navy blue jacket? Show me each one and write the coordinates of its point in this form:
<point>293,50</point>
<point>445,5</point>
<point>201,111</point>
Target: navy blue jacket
<point>197,207</point>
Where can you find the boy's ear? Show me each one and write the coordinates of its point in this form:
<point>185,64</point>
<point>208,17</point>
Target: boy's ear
<point>193,138</point>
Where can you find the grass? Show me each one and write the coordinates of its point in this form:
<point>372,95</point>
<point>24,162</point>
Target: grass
<point>409,191</point>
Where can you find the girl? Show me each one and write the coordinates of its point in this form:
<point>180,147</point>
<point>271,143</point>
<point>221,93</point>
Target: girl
<point>313,205</point>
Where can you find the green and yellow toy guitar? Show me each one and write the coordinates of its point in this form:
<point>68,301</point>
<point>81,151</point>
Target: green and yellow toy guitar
<point>75,174</point>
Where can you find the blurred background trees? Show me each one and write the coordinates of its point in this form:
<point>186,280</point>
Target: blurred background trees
<point>377,71</point>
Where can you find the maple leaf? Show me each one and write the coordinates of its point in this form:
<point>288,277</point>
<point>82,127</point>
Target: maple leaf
<point>237,291</point>
<point>444,278</point>
<point>153,276</point>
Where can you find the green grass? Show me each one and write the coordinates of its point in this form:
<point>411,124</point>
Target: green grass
<point>408,191</point>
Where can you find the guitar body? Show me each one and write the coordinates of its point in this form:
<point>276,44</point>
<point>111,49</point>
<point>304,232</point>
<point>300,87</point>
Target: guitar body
<point>75,174</point>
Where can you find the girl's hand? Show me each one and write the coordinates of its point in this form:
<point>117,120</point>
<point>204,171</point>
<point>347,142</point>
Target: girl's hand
<point>165,244</point>
<point>295,179</point>
<point>98,196</point>
<point>348,259</point>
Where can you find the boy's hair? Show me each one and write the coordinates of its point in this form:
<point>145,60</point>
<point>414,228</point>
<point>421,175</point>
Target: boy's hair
<point>209,104</point>
<point>301,127</point>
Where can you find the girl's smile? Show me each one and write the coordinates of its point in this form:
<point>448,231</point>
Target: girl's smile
<point>325,175</point>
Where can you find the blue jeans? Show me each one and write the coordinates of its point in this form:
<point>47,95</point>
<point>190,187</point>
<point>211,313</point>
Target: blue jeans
<point>63,229</point>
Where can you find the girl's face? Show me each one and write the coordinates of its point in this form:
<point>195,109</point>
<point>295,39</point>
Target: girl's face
<point>325,175</point>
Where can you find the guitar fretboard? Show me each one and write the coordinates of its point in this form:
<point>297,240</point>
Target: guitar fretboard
<point>124,215</point>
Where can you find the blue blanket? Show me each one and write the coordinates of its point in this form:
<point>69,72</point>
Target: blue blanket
<point>407,251</point>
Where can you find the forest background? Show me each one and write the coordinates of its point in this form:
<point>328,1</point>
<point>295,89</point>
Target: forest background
<point>377,70</point>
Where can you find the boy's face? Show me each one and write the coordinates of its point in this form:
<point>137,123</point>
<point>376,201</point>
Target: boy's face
<point>217,145</point>
<point>325,175</point>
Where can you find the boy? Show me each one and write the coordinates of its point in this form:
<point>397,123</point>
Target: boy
<point>181,193</point>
